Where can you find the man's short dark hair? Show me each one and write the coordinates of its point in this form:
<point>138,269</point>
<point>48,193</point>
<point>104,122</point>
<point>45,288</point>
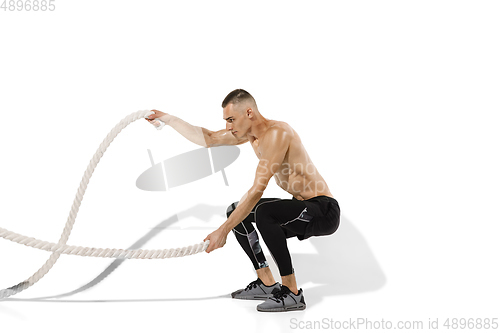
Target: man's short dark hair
<point>237,96</point>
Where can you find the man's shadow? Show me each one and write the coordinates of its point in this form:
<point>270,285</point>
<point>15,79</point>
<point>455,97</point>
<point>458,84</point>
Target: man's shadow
<point>343,264</point>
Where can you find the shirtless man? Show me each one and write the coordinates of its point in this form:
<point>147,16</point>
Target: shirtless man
<point>312,211</point>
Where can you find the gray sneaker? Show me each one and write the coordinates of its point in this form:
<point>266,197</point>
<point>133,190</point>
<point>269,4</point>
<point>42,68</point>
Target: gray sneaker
<point>256,290</point>
<point>283,300</point>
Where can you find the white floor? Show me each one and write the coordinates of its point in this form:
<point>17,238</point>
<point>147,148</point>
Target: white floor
<point>343,280</point>
<point>82,294</point>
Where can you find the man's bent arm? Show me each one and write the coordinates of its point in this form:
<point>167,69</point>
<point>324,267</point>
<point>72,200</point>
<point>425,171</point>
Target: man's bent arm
<point>275,151</point>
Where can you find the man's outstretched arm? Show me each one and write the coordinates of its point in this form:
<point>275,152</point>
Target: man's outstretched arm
<point>198,135</point>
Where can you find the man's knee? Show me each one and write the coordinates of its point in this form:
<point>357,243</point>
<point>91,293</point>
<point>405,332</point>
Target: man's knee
<point>231,208</point>
<point>263,214</point>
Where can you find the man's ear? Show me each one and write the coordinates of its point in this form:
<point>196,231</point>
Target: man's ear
<point>249,113</point>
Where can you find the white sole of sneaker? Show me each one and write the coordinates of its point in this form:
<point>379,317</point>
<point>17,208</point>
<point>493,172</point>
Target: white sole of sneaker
<point>254,297</point>
<point>295,307</point>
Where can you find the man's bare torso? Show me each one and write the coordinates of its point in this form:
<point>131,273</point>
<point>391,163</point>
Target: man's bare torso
<point>297,174</point>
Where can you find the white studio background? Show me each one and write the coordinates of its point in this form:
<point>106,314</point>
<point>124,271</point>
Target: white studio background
<point>397,103</point>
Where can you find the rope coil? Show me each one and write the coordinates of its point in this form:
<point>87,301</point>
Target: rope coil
<point>62,248</point>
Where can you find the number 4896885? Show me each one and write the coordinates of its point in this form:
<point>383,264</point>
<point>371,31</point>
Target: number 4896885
<point>28,5</point>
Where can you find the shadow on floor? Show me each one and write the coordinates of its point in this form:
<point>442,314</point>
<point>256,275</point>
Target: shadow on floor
<point>343,264</point>
<point>200,211</point>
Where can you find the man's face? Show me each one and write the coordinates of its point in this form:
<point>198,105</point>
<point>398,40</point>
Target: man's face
<point>236,120</point>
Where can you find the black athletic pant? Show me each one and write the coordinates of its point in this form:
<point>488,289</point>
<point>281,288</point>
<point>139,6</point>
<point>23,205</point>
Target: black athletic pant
<point>279,219</point>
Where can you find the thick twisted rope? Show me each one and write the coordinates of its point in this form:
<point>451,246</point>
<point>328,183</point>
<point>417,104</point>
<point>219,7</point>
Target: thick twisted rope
<point>60,247</point>
<point>102,253</point>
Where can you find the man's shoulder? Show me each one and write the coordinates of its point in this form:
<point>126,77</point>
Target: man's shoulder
<point>277,135</point>
<point>280,128</point>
